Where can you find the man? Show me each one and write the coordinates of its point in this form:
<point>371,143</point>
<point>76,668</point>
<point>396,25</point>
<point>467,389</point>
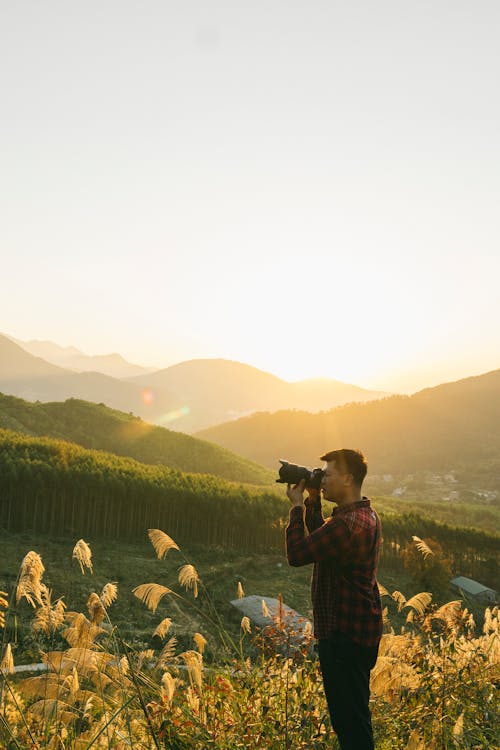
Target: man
<point>345,596</point>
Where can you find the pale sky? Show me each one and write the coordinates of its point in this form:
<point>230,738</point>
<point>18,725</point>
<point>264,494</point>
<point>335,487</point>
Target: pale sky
<point>309,187</point>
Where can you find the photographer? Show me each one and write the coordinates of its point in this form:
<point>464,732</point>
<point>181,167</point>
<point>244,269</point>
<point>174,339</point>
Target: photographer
<point>345,596</point>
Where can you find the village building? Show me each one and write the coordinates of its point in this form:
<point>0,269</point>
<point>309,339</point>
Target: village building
<point>475,589</point>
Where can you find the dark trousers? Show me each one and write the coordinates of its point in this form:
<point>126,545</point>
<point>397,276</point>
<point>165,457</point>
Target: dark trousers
<point>345,667</point>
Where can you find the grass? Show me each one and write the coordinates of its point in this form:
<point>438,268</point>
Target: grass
<point>130,564</point>
<point>433,687</point>
<point>481,516</point>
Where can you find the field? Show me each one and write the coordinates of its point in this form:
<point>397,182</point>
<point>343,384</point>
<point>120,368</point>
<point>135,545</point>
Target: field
<point>207,681</point>
<point>150,653</point>
<point>130,564</point>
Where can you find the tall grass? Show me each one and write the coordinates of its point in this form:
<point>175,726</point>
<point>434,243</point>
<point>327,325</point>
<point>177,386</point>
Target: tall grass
<point>433,686</point>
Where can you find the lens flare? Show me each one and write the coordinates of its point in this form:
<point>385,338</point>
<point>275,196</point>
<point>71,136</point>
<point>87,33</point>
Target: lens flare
<point>171,416</point>
<point>147,396</point>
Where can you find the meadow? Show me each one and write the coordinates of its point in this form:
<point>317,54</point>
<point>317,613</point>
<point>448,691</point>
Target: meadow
<point>197,679</point>
<point>146,652</point>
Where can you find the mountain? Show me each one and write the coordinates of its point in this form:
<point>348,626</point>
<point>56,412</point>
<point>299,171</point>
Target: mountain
<point>34,379</point>
<point>188,396</point>
<point>98,427</point>
<point>448,426</point>
<point>216,390</point>
<point>71,358</point>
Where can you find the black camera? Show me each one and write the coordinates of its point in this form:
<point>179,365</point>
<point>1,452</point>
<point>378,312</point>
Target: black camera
<point>293,474</point>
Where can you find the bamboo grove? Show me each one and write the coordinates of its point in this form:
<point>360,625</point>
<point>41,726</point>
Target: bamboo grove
<point>55,487</point>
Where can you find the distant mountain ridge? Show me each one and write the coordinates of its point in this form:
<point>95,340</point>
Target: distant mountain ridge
<point>71,358</point>
<point>437,428</point>
<point>216,390</point>
<point>187,397</point>
<point>34,379</point>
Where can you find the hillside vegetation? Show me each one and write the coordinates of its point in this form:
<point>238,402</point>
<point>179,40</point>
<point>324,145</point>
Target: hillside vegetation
<point>452,426</point>
<point>194,680</point>
<point>55,487</point>
<point>98,427</point>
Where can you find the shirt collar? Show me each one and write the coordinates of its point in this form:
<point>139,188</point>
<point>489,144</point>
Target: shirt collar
<point>341,509</point>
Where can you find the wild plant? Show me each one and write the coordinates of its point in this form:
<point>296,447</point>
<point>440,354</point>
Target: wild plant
<point>434,685</point>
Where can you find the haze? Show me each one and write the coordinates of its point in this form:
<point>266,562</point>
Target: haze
<point>308,187</point>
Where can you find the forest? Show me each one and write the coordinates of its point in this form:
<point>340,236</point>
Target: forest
<point>97,426</point>
<point>55,487</point>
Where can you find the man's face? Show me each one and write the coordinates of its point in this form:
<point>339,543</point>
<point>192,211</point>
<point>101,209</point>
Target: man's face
<point>334,483</point>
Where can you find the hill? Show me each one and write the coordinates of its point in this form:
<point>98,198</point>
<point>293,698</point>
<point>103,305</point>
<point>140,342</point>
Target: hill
<point>215,390</point>
<point>32,378</point>
<point>55,487</point>
<point>452,426</point>
<point>188,396</point>
<point>71,358</point>
<point>99,427</point>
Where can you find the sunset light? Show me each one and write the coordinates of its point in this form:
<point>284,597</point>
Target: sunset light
<point>263,205</point>
<point>239,236</point>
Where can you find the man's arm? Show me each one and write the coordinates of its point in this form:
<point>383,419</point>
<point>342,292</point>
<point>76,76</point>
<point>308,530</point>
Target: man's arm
<point>331,541</point>
<point>314,514</point>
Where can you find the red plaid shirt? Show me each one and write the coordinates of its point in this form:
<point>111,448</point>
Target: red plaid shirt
<point>345,553</point>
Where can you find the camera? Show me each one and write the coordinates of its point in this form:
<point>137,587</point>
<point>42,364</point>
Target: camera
<point>293,474</point>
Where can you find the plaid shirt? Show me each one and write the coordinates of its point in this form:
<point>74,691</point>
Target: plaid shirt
<point>345,553</point>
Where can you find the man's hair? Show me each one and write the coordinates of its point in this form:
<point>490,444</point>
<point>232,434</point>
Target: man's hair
<point>349,461</point>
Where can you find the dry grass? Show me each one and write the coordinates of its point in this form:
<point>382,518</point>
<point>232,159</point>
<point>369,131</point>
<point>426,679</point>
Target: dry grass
<point>433,685</point>
<point>83,555</point>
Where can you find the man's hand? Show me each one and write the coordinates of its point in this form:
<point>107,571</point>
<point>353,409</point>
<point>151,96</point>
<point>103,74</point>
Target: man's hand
<point>296,494</point>
<point>312,498</point>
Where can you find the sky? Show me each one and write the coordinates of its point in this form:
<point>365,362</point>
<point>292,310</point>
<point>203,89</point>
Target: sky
<point>308,187</point>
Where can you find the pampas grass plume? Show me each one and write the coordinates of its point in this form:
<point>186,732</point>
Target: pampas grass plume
<point>163,628</point>
<point>83,555</point>
<point>188,577</point>
<point>151,594</point>
<point>245,624</point>
<point>161,542</point>
<point>30,579</point>
<point>200,642</point>
<point>7,663</point>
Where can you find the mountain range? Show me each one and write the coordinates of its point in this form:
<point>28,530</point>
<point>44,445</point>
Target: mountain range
<point>71,358</point>
<point>450,426</point>
<point>34,379</point>
<point>187,397</point>
<point>217,390</point>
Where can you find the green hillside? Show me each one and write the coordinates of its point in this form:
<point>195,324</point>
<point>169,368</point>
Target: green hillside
<point>452,426</point>
<point>55,487</point>
<point>99,427</point>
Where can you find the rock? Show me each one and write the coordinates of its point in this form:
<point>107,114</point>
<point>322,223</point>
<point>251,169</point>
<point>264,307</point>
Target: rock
<point>296,628</point>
